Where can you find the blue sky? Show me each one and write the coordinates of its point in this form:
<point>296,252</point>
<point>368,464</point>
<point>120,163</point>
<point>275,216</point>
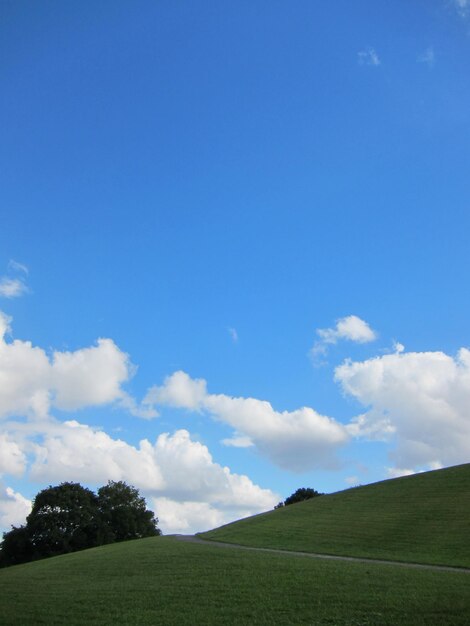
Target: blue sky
<point>262,211</point>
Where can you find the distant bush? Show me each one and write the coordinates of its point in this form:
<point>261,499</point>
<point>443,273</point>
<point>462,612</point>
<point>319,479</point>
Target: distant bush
<point>303,493</point>
<point>69,517</point>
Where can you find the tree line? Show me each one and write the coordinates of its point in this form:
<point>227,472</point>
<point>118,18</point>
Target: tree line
<point>70,517</point>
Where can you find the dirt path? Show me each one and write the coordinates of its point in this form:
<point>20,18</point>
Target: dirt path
<point>330,557</point>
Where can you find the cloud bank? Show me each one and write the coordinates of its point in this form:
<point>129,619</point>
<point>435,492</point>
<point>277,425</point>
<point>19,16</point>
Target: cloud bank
<point>416,401</point>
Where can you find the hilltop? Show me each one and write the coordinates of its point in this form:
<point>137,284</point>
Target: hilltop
<point>423,518</point>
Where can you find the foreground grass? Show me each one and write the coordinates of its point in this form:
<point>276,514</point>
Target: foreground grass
<point>423,518</point>
<point>167,582</point>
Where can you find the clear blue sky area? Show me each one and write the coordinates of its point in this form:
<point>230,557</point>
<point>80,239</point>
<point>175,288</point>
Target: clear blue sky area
<point>207,184</point>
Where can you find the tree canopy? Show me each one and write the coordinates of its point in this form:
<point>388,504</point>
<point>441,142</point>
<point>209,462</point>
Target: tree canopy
<point>70,517</point>
<point>124,512</point>
<point>303,493</point>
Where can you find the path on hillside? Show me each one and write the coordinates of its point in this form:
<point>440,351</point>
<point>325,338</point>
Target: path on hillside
<point>314,555</point>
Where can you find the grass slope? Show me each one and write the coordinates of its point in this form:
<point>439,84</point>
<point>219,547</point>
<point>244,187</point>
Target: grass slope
<point>167,582</point>
<point>424,518</point>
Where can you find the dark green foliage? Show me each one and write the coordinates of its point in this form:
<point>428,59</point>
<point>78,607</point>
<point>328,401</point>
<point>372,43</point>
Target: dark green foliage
<point>64,519</point>
<point>16,547</point>
<point>69,517</point>
<point>303,493</point>
<point>124,513</point>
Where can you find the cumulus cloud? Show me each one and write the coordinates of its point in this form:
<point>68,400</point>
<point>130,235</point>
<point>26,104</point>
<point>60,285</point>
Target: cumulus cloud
<point>32,382</point>
<point>419,400</point>
<point>350,328</point>
<point>180,391</point>
<point>13,508</point>
<point>295,440</point>
<point>12,458</point>
<point>76,452</point>
<point>368,56</point>
<point>90,376</point>
<point>175,470</point>
<point>187,517</point>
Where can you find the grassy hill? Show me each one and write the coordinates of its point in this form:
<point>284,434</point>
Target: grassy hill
<point>168,582</point>
<point>164,581</point>
<point>424,518</point>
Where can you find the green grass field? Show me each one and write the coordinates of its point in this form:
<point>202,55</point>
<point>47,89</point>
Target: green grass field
<point>424,518</point>
<point>164,581</point>
<point>167,582</point>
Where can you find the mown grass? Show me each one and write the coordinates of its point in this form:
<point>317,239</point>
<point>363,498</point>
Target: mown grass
<point>423,518</point>
<point>167,582</point>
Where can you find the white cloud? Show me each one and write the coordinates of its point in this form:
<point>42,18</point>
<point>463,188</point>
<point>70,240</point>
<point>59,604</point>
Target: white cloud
<point>238,442</point>
<point>427,57</point>
<point>12,458</point>
<point>350,328</point>
<point>368,56</point>
<point>187,517</point>
<point>25,373</point>
<point>5,321</point>
<point>180,391</point>
<point>177,471</point>
<point>32,382</point>
<point>13,508</point>
<point>90,376</point>
<point>420,400</point>
<point>76,452</point>
<point>190,474</point>
<point>296,440</point>
<point>12,287</point>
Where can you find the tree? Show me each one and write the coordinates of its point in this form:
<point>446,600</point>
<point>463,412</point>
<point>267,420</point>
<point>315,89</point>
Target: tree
<point>303,493</point>
<point>70,517</point>
<point>64,519</point>
<point>124,512</point>
<point>16,547</point>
